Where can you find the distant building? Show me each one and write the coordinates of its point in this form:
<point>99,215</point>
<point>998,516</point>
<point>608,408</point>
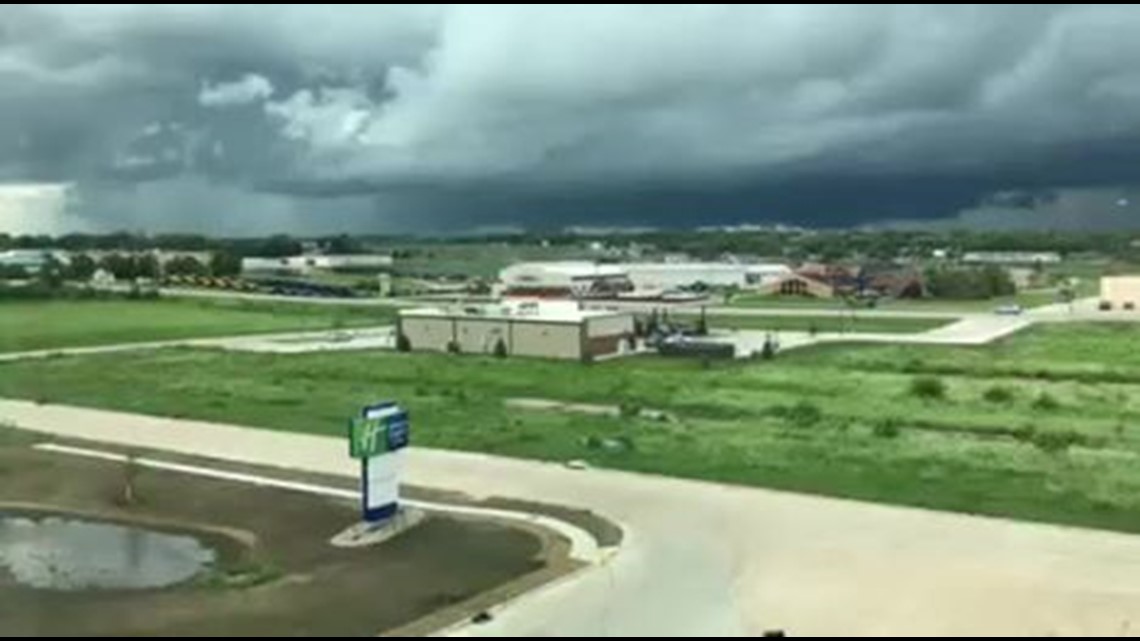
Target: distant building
<point>1120,293</point>
<point>795,284</point>
<point>588,280</point>
<point>31,260</point>
<point>672,276</point>
<point>306,263</point>
<point>528,328</point>
<point>564,279</point>
<point>1011,258</point>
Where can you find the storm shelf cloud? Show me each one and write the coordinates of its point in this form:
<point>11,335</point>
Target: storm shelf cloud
<point>426,118</point>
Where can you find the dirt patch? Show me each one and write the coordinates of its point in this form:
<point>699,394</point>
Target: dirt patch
<point>300,584</point>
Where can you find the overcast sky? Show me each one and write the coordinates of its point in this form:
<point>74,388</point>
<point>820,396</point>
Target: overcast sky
<point>249,119</point>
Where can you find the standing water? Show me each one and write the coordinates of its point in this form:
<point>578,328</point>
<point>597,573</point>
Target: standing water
<point>62,553</point>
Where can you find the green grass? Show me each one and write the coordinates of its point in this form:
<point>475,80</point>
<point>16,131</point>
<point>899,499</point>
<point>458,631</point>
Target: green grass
<point>837,420</point>
<point>30,325</point>
<point>829,323</point>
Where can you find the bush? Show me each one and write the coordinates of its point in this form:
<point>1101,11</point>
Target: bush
<point>500,349</point>
<point>629,410</point>
<point>768,352</point>
<point>1046,402</point>
<point>803,414</point>
<point>886,428</point>
<point>1057,441</point>
<point>452,347</point>
<point>930,387</point>
<point>1026,433</point>
<point>403,343</point>
<point>998,394</point>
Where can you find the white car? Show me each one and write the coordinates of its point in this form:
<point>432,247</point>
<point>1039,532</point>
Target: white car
<point>1009,310</point>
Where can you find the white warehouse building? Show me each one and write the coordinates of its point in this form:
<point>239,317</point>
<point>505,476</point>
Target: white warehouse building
<point>306,263</point>
<point>586,279</point>
<point>564,279</point>
<point>669,276</point>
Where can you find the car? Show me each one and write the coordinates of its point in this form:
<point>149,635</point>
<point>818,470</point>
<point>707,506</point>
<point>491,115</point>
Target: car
<point>1009,310</point>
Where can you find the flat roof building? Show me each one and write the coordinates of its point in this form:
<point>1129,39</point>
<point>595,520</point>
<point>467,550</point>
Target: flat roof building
<point>521,328</point>
<point>574,279</point>
<point>1120,293</point>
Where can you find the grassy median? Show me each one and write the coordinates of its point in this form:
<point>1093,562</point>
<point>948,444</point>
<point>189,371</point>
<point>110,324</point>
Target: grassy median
<point>30,325</point>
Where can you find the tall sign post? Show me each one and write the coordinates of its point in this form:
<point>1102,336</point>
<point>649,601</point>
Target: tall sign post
<point>377,438</point>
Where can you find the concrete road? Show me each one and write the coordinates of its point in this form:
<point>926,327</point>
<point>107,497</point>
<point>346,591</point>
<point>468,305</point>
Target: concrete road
<point>715,560</point>
<point>976,329</point>
<point>382,337</point>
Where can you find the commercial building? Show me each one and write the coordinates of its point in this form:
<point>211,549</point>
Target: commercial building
<point>306,263</point>
<point>544,329</point>
<point>564,279</point>
<point>1120,293</point>
<point>31,260</point>
<point>684,275</point>
<point>589,280</point>
<point>1012,258</point>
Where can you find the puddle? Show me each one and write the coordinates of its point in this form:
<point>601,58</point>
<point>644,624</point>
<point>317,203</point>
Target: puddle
<point>66,553</point>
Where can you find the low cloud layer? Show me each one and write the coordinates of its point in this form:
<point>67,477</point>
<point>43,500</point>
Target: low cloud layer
<point>431,118</point>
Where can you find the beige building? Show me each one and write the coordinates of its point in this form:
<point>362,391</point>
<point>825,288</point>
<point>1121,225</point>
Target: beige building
<point>548,330</point>
<point>1120,293</point>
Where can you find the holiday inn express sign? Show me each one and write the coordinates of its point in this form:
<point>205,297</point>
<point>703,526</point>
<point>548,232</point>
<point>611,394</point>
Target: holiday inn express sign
<point>376,437</point>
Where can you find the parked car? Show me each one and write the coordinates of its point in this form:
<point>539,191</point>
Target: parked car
<point>1009,310</point>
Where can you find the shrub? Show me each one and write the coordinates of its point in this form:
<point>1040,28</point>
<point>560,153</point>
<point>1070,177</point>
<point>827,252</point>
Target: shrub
<point>592,442</point>
<point>768,352</point>
<point>1046,402</point>
<point>1057,441</point>
<point>452,347</point>
<point>629,410</point>
<point>930,387</point>
<point>500,349</point>
<point>887,427</point>
<point>403,343</point>
<point>998,394</point>
<point>1025,433</point>
<point>803,414</point>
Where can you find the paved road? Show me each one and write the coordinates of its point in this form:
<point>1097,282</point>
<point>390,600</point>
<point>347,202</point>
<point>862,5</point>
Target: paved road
<point>706,559</point>
<point>970,330</point>
<point>382,337</point>
<point>185,292</point>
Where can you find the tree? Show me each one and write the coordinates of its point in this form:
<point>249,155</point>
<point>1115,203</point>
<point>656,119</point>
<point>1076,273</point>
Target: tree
<point>500,349</point>
<point>146,266</point>
<point>768,351</point>
<point>185,265</point>
<point>279,246</point>
<point>13,272</point>
<point>120,266</point>
<point>224,263</point>
<point>50,275</point>
<point>81,267</point>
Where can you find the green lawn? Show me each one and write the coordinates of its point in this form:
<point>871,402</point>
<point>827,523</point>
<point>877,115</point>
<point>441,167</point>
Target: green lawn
<point>829,323</point>
<point>839,420</point>
<point>28,325</point>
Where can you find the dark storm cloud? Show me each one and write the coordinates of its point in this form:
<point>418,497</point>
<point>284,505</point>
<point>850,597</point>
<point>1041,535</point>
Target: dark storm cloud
<point>446,117</point>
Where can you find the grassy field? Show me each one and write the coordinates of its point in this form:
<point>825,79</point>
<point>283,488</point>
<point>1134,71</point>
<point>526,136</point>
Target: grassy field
<point>28,325</point>
<point>829,323</point>
<point>1044,426</point>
